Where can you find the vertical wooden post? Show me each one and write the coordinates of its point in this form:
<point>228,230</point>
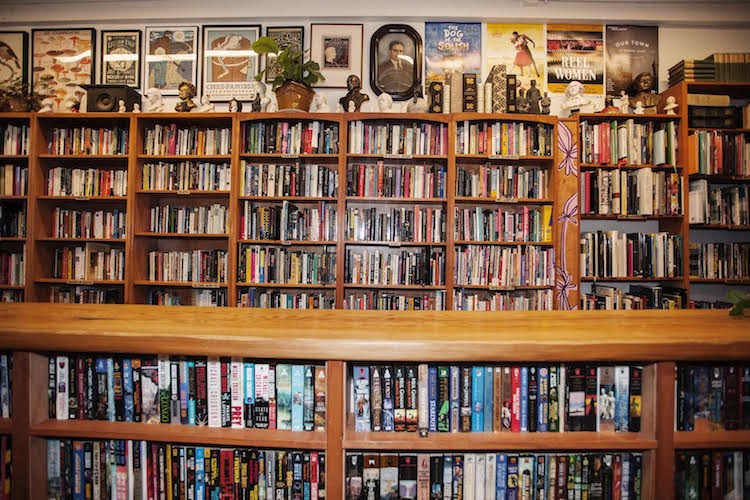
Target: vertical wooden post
<point>664,462</point>
<point>21,442</point>
<point>335,412</point>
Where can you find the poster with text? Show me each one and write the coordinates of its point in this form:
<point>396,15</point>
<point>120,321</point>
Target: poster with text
<point>575,52</point>
<point>452,47</point>
<point>63,59</point>
<point>632,57</point>
<point>520,47</point>
<point>171,58</point>
<point>229,64</point>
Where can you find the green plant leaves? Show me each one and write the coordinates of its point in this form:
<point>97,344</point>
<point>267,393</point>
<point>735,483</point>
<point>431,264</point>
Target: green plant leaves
<point>740,300</point>
<point>287,65</point>
<point>265,45</point>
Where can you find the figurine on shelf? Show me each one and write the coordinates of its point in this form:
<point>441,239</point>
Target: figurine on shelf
<point>264,100</point>
<point>272,107</point>
<point>385,103</point>
<point>545,102</point>
<point>624,103</point>
<point>643,89</point>
<point>321,106</point>
<point>533,95</point>
<point>575,98</point>
<point>354,94</point>
<point>206,106</point>
<point>639,110</point>
<point>671,105</point>
<point>136,108</point>
<point>339,108</point>
<point>187,92</point>
<point>73,105</point>
<point>417,104</point>
<point>47,104</point>
<point>255,103</point>
<point>121,106</point>
<point>521,103</point>
<point>235,106</point>
<point>155,102</point>
<point>352,107</point>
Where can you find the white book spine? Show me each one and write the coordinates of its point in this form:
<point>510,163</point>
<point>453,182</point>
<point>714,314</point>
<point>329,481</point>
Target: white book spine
<point>480,470</point>
<point>213,394</point>
<point>62,388</point>
<point>469,476</point>
<point>237,390</point>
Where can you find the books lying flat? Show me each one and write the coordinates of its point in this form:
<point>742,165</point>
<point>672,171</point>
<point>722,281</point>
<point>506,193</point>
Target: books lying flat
<point>707,100</point>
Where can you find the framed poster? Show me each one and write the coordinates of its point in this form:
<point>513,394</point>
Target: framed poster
<point>452,47</point>
<point>338,50</point>
<point>632,60</point>
<point>121,58</point>
<point>62,59</point>
<point>396,61</point>
<point>229,64</point>
<point>171,57</point>
<point>285,36</point>
<point>575,52</point>
<point>14,64</point>
<point>520,47</point>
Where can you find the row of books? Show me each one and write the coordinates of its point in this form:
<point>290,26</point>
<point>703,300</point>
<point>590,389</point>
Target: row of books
<point>206,219</point>
<point>281,265</point>
<point>90,262</point>
<point>200,298</point>
<point>293,138</point>
<point>206,266</point>
<point>83,295</point>
<point>612,254</point>
<point>178,140</point>
<point>719,205</point>
<point>394,225</point>
<point>283,299</point>
<point>728,261</point>
<point>87,141</point>
<point>496,224</point>
<point>639,192</point>
<point>11,296</point>
<point>288,222</point>
<point>556,398</point>
<point>142,469</point>
<point>15,139</point>
<point>708,474</point>
<point>504,138</point>
<point>306,180</point>
<point>186,175</point>
<point>14,180</point>
<point>72,223</point>
<point>64,181</point>
<point>217,392</point>
<point>615,142</point>
<point>720,153</point>
<point>392,266</point>
<point>497,182</point>
<point>498,266</point>
<point>712,397</point>
<point>12,221</point>
<point>13,267</point>
<point>500,476</point>
<point>395,180</point>
<point>527,300</point>
<point>404,138</point>
<point>731,66</point>
<point>636,297</point>
<point>382,300</point>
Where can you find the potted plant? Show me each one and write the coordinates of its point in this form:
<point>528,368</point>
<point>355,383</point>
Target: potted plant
<point>17,96</point>
<point>293,77</point>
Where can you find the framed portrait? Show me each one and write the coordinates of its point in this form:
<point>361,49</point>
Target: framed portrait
<point>14,66</point>
<point>171,57</point>
<point>396,61</point>
<point>338,50</point>
<point>121,58</point>
<point>229,64</point>
<point>62,60</point>
<point>285,36</point>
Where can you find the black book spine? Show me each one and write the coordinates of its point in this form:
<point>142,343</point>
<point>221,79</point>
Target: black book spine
<point>119,390</point>
<point>52,386</point>
<point>533,391</point>
<point>732,395</point>
<point>591,386</point>
<point>634,418</point>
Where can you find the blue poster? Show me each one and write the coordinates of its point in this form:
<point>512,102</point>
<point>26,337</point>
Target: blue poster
<point>452,47</point>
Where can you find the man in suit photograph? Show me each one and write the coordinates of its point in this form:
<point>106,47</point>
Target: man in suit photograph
<point>396,74</point>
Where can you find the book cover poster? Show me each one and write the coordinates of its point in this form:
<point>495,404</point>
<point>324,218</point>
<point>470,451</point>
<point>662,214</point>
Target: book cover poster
<point>575,52</point>
<point>520,47</point>
<point>632,55</point>
<point>452,47</point>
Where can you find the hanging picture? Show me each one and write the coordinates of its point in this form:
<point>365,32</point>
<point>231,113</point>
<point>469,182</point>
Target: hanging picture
<point>121,58</point>
<point>338,50</point>
<point>14,63</point>
<point>229,63</point>
<point>452,47</point>
<point>632,59</point>
<point>396,61</point>
<point>575,52</point>
<point>62,60</point>
<point>284,36</point>
<point>171,58</point>
<point>520,47</point>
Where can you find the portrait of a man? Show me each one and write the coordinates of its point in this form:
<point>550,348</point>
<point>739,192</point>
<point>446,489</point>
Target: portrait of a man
<point>336,52</point>
<point>396,73</point>
<point>395,63</point>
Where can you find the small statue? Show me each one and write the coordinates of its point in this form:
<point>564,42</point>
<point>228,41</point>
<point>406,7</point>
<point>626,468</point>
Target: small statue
<point>155,102</point>
<point>206,106</point>
<point>73,105</point>
<point>272,107</point>
<point>639,110</point>
<point>385,103</point>
<point>339,109</point>
<point>187,92</point>
<point>417,104</point>
<point>121,106</point>
<point>354,94</point>
<point>521,103</point>
<point>47,104</point>
<point>235,106</point>
<point>546,102</point>
<point>624,103</point>
<point>136,108</point>
<point>533,95</point>
<point>671,105</point>
<point>255,103</point>
<point>352,107</point>
<point>575,98</point>
<point>264,101</point>
<point>321,106</point>
<point>643,89</point>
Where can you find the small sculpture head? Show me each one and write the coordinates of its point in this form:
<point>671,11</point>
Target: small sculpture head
<point>205,100</point>
<point>187,90</point>
<point>671,100</point>
<point>153,95</point>
<point>385,101</point>
<point>574,88</point>
<point>353,83</point>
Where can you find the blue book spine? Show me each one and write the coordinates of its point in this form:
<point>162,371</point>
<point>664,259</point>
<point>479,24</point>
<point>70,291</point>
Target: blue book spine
<point>501,476</point>
<point>455,392</point>
<point>488,396</point>
<point>78,481</point>
<point>432,394</point>
<point>524,399</point>
<point>184,392</point>
<point>543,400</point>
<point>111,389</point>
<point>200,477</point>
<point>477,399</point>
<point>298,389</point>
<point>191,398</point>
<point>249,398</point>
<point>127,385</point>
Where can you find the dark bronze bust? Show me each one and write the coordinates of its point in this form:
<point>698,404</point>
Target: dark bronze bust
<point>643,89</point>
<point>354,94</point>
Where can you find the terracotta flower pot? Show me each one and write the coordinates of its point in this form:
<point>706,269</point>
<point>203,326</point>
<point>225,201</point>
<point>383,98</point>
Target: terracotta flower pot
<point>294,95</point>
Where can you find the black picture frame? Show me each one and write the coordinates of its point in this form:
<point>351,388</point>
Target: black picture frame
<point>395,81</point>
<point>103,52</point>
<point>24,58</point>
<point>268,78</point>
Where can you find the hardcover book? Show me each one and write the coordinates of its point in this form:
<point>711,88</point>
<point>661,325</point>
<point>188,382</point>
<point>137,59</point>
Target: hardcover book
<point>298,394</point>
<point>388,399</point>
<point>634,415</point>
<point>606,403</point>
<point>320,397</point>
<point>622,396</point>
<point>470,92</point>
<point>389,476</point>
<point>361,399</point>
<point>443,414</point>
<point>407,477</point>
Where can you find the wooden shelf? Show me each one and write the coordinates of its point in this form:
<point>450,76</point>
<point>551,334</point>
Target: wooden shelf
<point>14,157</point>
<point>184,157</point>
<point>635,218</point>
<point>505,117</point>
<point>376,199</point>
<point>628,279</point>
<point>181,284</point>
<point>721,179</point>
<point>10,197</point>
<point>505,243</point>
<point>661,117</point>
<point>299,199</point>
<point>501,201</point>
<point>288,242</point>
<point>11,287</point>
<point>291,156</point>
<point>722,227</point>
<point>13,239</point>
<point>716,129</point>
<point>81,157</point>
<point>49,239</point>
<point>394,287</point>
<point>709,281</point>
<point>627,166</point>
<point>711,439</point>
<point>176,433</point>
<point>65,281</point>
<point>109,199</point>
<point>503,288</point>
<point>396,244</point>
<point>286,285</point>
<point>202,236</point>
<point>397,156</point>
<point>461,156</point>
<point>186,193</point>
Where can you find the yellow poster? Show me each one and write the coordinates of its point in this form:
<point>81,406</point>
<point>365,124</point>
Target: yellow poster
<point>520,47</point>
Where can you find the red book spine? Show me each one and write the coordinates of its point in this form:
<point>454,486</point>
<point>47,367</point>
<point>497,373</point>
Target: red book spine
<point>716,475</point>
<point>515,388</point>
<point>361,183</point>
<point>226,475</point>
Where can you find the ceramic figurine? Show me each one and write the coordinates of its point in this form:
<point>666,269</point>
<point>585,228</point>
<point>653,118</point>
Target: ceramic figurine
<point>521,103</point>
<point>264,100</point>
<point>545,102</point>
<point>187,92</point>
<point>575,99</point>
<point>46,105</point>
<point>671,105</point>
<point>136,108</point>
<point>154,100</point>
<point>533,95</point>
<point>639,110</point>
<point>417,104</point>
<point>624,102</point>
<point>255,103</point>
<point>235,106</point>
<point>206,106</point>
<point>321,106</point>
<point>385,103</point>
<point>354,94</point>
<point>121,106</point>
<point>72,105</point>
<point>351,107</point>
<point>272,107</point>
<point>339,109</point>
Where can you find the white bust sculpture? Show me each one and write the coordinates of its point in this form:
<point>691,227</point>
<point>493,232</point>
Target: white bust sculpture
<point>339,109</point>
<point>136,108</point>
<point>417,104</point>
<point>46,105</point>
<point>206,106</point>
<point>638,108</point>
<point>321,106</point>
<point>624,102</point>
<point>155,103</point>
<point>121,106</point>
<point>385,103</point>
<point>574,96</point>
<point>264,100</point>
<point>671,105</point>
<point>272,107</point>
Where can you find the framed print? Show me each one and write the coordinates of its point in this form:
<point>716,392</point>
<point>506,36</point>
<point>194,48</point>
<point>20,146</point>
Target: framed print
<point>396,61</point>
<point>62,59</point>
<point>229,64</point>
<point>338,50</point>
<point>284,36</point>
<point>14,64</point>
<point>452,48</point>
<point>121,58</point>
<point>171,57</point>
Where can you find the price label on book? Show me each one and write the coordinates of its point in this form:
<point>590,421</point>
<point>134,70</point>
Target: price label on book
<point>289,155</point>
<point>505,288</point>
<point>286,243</point>
<point>83,198</point>
<point>505,199</point>
<point>633,217</point>
<point>80,282</point>
<point>183,192</point>
<point>395,244</point>
<point>503,157</point>
<point>397,157</point>
<point>205,285</point>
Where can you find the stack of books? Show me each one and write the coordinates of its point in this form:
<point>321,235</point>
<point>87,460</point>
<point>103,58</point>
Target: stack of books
<point>693,70</point>
<point>731,67</point>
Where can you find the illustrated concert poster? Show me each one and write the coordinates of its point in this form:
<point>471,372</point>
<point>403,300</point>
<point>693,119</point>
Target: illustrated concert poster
<point>452,47</point>
<point>632,54</point>
<point>284,36</point>
<point>121,58</point>
<point>171,58</point>
<point>575,52</point>
<point>14,64</point>
<point>229,64</point>
<point>520,47</point>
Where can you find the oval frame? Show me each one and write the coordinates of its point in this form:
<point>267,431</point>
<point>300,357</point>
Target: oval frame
<point>403,29</point>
